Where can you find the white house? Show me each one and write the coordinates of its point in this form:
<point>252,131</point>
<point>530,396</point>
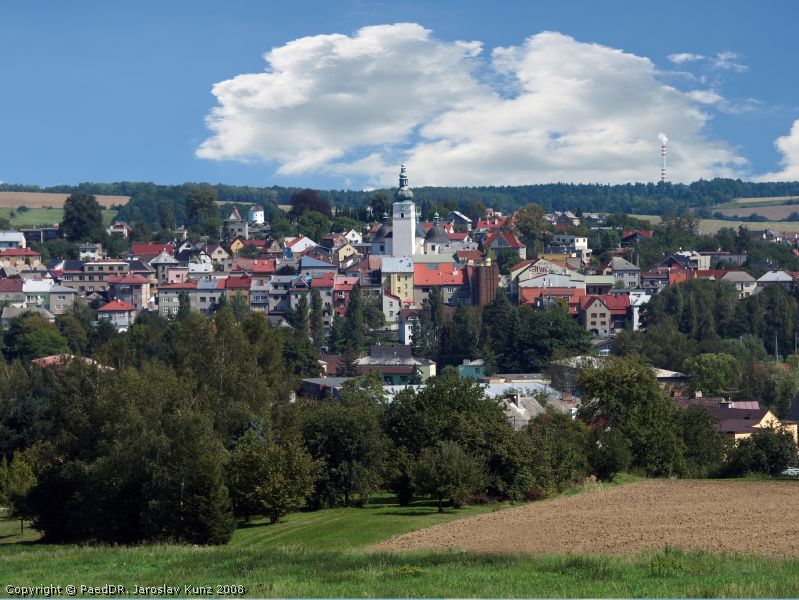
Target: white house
<point>353,237</point>
<point>255,216</point>
<point>407,318</point>
<point>776,278</point>
<point>11,239</point>
<point>119,313</point>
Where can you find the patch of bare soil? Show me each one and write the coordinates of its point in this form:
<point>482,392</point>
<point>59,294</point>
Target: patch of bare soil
<point>717,516</point>
<point>46,199</point>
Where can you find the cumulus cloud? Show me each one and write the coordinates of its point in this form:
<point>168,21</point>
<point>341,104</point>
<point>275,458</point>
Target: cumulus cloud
<point>684,57</point>
<point>550,109</point>
<point>788,147</point>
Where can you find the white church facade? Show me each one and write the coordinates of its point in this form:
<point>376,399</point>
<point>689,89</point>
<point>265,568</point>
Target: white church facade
<point>406,237</point>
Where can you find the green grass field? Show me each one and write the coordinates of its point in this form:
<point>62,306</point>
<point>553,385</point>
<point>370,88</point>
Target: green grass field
<point>757,202</point>
<point>710,226</point>
<point>35,217</point>
<point>325,554</point>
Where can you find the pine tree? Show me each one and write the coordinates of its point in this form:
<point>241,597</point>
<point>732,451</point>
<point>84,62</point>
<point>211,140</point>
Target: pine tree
<point>355,322</point>
<point>302,315</point>
<point>337,340</point>
<point>347,366</point>
<point>317,320</point>
<point>184,306</point>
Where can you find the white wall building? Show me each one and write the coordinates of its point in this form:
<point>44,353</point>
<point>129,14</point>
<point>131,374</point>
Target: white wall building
<point>255,216</point>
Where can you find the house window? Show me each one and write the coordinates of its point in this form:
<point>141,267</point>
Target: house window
<point>450,290</point>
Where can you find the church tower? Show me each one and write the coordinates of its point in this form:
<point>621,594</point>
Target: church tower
<point>404,219</point>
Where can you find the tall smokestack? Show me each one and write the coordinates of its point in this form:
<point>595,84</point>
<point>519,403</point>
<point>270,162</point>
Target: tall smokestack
<point>663,141</point>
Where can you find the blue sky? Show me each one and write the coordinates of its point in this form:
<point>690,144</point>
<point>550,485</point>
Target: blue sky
<point>569,91</point>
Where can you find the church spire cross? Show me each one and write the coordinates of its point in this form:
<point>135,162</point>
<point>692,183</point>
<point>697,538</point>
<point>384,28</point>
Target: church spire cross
<point>404,192</point>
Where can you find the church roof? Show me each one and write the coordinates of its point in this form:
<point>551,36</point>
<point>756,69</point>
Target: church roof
<point>404,192</point>
<point>436,235</point>
<point>382,233</point>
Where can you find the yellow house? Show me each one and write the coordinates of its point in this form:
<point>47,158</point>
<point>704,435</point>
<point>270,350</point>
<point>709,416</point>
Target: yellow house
<point>397,277</point>
<point>236,246</point>
<point>344,253</point>
<point>738,419</point>
<point>740,429</point>
<point>20,257</point>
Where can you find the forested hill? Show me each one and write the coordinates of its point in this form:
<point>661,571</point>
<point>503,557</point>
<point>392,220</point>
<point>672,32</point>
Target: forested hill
<point>638,198</point>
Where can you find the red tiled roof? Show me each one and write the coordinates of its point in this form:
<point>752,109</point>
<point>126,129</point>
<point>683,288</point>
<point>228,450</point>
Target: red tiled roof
<point>522,264</point>
<point>331,362</point>
<point>10,285</point>
<point>643,232</point>
<point>510,239</point>
<point>343,283</point>
<point>57,360</point>
<point>530,295</point>
<point>410,313</point>
<point>19,252</point>
<point>325,280</point>
<point>238,283</point>
<point>254,265</point>
<point>151,249</point>
<point>183,285</point>
<point>256,243</point>
<point>615,304</point>
<point>457,237</point>
<point>438,274</point>
<point>491,222</point>
<point>295,241</point>
<point>716,274</point>
<point>469,255</point>
<point>116,306</point>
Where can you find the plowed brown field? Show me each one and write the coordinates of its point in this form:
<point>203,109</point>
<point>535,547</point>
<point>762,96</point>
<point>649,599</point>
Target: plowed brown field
<point>46,199</point>
<point>717,516</point>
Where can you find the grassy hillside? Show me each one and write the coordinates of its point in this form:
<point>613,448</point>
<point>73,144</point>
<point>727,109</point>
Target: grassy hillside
<point>713,225</point>
<point>324,554</point>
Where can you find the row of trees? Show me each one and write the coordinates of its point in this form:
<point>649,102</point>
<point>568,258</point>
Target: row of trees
<point>511,339</point>
<point>700,327</point>
<point>640,198</point>
<point>194,425</point>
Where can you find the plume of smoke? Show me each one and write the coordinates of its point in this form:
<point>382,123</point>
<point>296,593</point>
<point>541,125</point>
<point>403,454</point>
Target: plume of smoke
<point>663,139</point>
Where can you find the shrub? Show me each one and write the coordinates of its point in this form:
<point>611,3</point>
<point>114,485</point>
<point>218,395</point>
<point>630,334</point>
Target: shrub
<point>482,499</point>
<point>534,495</point>
<point>767,451</point>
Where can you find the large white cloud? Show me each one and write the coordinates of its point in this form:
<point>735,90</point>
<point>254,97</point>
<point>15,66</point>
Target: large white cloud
<point>551,109</point>
<point>788,147</point>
